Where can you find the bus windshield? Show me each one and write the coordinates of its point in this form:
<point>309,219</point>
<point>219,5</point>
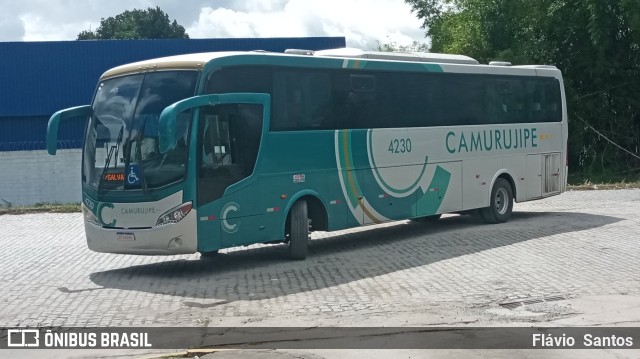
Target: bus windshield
<point>121,146</point>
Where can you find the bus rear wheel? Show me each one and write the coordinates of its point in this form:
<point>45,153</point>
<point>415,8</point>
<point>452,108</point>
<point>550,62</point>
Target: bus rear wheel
<point>299,230</point>
<point>500,203</point>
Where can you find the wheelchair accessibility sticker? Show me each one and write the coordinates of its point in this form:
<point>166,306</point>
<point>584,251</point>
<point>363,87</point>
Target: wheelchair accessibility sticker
<point>133,175</point>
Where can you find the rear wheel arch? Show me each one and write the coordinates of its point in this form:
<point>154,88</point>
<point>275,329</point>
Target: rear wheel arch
<point>508,176</point>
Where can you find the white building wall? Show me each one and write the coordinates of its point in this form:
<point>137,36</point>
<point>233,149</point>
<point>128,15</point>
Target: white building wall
<point>30,177</point>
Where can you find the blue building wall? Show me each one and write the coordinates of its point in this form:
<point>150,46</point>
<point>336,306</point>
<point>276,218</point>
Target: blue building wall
<point>39,78</point>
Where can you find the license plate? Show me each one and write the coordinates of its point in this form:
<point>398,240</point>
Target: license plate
<point>126,237</point>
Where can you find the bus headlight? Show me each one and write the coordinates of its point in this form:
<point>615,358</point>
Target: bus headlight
<point>89,216</point>
<point>175,214</point>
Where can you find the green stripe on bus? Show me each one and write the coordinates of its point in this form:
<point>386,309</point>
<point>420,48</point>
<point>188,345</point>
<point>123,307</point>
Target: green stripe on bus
<point>432,199</point>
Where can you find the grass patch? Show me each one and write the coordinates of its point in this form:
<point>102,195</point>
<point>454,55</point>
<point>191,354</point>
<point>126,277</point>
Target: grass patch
<point>587,186</point>
<point>583,181</point>
<point>43,208</point>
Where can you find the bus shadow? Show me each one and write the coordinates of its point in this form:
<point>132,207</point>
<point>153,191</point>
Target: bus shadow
<point>265,272</point>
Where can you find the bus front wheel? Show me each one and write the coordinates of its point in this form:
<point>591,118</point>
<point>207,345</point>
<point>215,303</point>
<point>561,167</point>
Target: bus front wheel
<point>500,203</point>
<point>299,230</point>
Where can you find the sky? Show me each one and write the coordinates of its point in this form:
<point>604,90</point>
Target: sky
<point>362,22</point>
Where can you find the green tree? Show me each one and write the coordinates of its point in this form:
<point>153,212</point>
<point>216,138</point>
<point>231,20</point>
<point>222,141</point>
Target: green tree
<point>137,24</point>
<point>595,43</point>
<point>392,46</point>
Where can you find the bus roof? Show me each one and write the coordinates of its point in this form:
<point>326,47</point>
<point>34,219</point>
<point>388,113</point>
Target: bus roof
<point>187,61</point>
<point>200,60</point>
<point>398,56</point>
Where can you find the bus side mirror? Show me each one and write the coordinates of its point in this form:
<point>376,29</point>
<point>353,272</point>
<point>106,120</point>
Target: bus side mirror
<point>54,121</point>
<point>168,119</point>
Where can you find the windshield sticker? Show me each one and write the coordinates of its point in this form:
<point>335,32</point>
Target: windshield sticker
<point>133,175</point>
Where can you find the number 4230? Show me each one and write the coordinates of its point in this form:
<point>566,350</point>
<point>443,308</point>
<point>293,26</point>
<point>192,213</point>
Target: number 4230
<point>402,145</point>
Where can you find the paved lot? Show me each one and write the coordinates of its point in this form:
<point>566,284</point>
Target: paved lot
<point>567,260</point>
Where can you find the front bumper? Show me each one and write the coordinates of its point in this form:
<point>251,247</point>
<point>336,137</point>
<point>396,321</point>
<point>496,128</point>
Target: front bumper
<point>169,239</point>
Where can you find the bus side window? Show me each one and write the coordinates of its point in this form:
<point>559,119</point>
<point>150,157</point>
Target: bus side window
<point>302,101</point>
<point>359,110</point>
<point>552,98</point>
<point>339,98</point>
<point>240,79</point>
<point>536,100</point>
<point>416,99</point>
<point>361,103</point>
<point>464,101</point>
<point>501,107</point>
<point>247,136</point>
<point>215,142</point>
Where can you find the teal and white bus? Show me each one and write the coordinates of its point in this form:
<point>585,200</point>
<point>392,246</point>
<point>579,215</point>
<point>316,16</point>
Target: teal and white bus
<point>200,152</point>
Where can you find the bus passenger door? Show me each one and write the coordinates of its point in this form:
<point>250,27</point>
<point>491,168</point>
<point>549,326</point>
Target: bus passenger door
<point>229,212</point>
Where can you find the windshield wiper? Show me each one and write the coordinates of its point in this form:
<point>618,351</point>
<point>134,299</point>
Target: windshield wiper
<point>109,156</point>
<point>106,167</point>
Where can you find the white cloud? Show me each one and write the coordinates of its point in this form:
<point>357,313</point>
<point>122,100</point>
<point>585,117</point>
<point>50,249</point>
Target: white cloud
<point>38,29</point>
<point>362,22</point>
<point>11,27</point>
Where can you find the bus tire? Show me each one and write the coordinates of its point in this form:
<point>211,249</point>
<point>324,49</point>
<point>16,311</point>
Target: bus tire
<point>500,203</point>
<point>299,236</point>
<point>209,254</point>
